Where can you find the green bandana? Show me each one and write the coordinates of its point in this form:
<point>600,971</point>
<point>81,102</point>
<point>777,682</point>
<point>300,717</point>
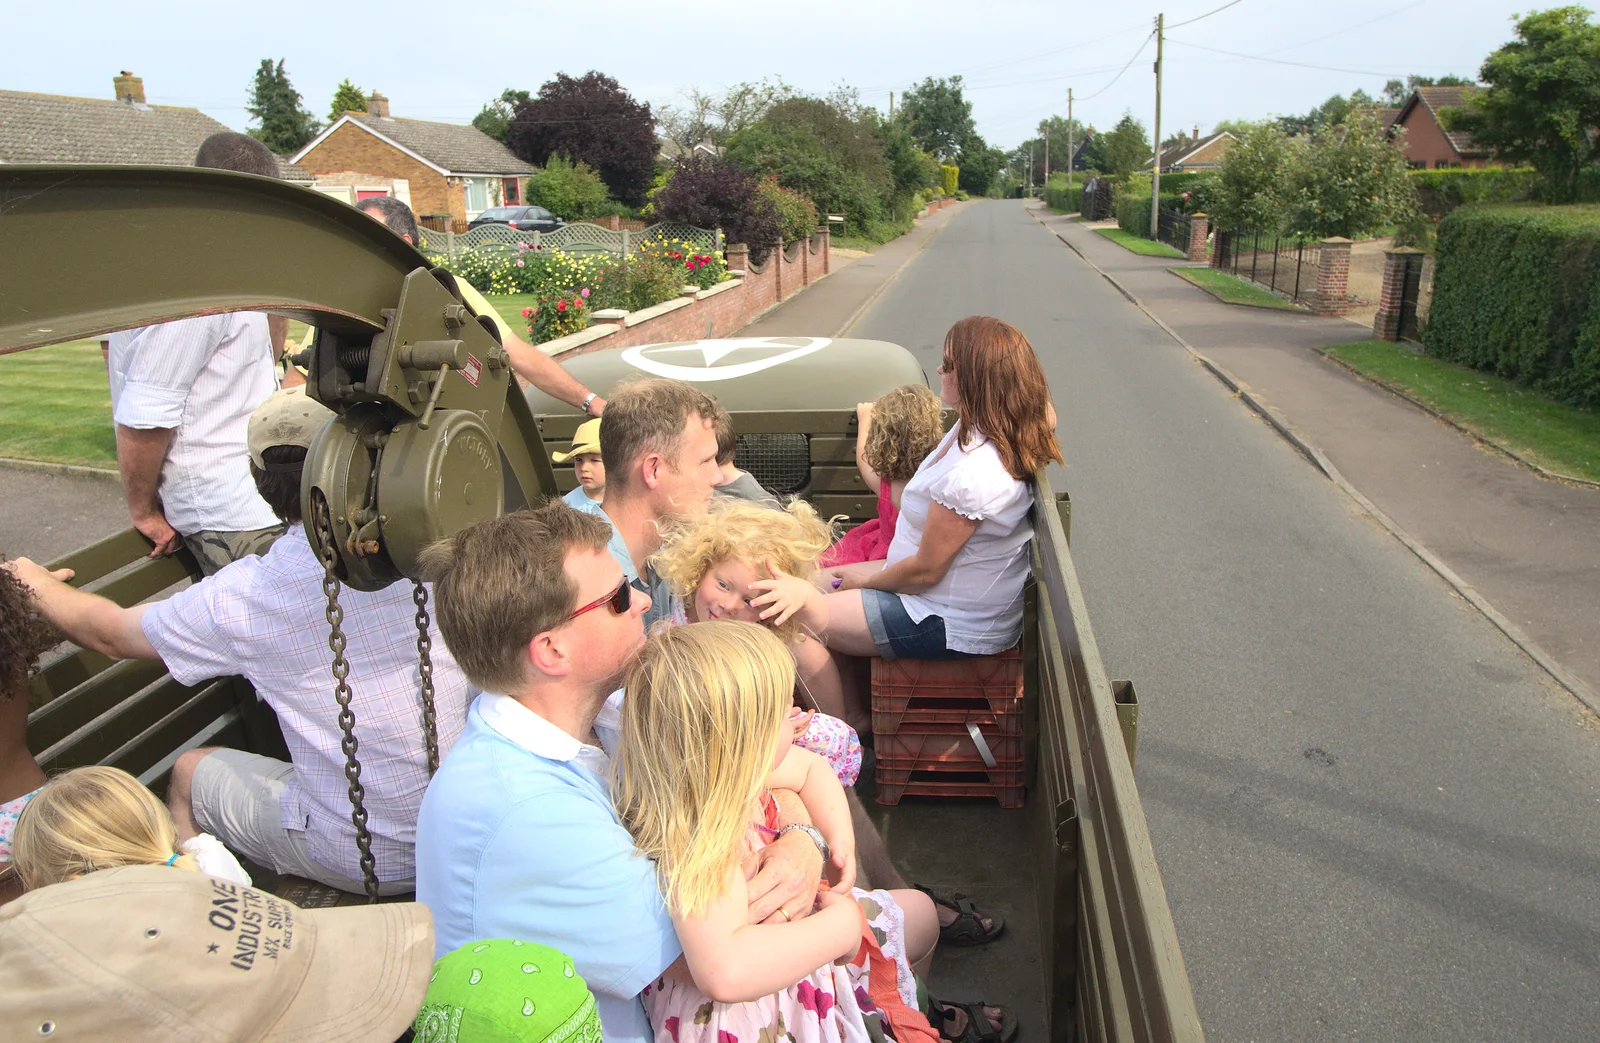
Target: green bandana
<point>503,991</point>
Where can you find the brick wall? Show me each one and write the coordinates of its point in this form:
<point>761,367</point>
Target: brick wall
<point>1333,277</point>
<point>352,148</point>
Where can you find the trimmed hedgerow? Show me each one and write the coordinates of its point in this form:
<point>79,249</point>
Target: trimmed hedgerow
<point>1059,197</point>
<point>1517,293</point>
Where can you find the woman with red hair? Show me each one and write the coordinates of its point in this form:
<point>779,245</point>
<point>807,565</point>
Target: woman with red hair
<point>952,584</point>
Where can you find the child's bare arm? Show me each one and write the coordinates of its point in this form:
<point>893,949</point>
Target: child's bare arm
<point>863,425</point>
<point>785,596</point>
<point>733,961</point>
<point>810,775</point>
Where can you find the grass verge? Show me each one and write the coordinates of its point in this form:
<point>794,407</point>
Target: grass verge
<point>58,406</point>
<point>1230,289</point>
<point>1557,437</point>
<point>1137,244</point>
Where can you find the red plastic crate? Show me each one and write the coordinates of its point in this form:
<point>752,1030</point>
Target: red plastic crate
<point>948,747</point>
<point>986,691</point>
<point>1007,789</point>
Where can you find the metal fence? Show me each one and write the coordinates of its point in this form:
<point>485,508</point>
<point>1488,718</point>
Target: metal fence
<point>578,238</point>
<point>1283,264</point>
<point>1172,228</point>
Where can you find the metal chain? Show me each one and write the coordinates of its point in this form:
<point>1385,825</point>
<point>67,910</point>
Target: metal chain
<point>341,693</point>
<point>430,726</point>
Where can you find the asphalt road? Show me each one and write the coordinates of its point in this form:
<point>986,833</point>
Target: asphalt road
<point>1375,818</point>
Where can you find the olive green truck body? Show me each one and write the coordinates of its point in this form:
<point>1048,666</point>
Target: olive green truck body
<point>432,433</point>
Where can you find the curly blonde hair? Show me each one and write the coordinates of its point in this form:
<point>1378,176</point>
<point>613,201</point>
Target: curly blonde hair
<point>739,530</point>
<point>907,423</point>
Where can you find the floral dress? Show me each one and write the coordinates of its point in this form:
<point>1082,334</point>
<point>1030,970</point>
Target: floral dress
<point>829,1005</point>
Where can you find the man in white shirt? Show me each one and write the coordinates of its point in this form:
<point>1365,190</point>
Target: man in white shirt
<point>181,395</point>
<point>263,617</point>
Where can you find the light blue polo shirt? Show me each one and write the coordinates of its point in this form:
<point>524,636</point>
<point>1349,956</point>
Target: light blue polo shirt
<point>518,838</point>
<point>579,500</point>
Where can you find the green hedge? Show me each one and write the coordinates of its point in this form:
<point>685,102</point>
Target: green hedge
<point>1060,197</point>
<point>1441,191</point>
<point>1517,292</point>
<point>1133,211</point>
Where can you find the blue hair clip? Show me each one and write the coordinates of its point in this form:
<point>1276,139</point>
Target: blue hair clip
<point>173,859</point>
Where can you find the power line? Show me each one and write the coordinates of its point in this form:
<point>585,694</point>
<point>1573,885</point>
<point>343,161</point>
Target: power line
<point>1143,44</point>
<point>1280,61</point>
<point>1012,62</point>
<point>1348,28</point>
<point>1208,14</point>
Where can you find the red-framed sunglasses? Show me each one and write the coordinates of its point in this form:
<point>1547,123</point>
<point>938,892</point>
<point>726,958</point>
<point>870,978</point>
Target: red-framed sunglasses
<point>619,600</point>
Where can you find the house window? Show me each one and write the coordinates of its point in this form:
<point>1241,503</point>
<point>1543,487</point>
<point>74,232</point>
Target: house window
<point>511,196</point>
<point>477,194</point>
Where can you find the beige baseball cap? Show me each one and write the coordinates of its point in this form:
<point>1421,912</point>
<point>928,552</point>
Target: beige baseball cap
<point>586,439</point>
<point>152,953</point>
<point>288,417</point>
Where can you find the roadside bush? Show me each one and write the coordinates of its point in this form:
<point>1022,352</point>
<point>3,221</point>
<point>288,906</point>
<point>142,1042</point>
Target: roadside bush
<point>1133,214</point>
<point>556,315</point>
<point>713,193</point>
<point>570,190</point>
<point>963,195</point>
<point>797,215</point>
<point>1059,197</point>
<point>949,178</point>
<point>1517,293</point>
<point>1441,191</point>
<point>692,263</point>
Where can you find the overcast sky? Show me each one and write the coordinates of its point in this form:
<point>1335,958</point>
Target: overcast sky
<point>442,61</point>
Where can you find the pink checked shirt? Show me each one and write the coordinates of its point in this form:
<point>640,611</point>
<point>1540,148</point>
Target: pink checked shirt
<point>264,618</point>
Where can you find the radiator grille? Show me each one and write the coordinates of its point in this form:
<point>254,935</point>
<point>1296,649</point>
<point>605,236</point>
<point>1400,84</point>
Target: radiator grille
<point>780,462</point>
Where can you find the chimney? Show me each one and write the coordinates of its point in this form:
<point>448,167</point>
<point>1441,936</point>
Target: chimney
<point>378,105</point>
<point>129,88</point>
<point>1197,132</point>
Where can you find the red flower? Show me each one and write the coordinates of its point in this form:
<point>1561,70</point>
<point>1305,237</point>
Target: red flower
<point>561,305</point>
<point>527,313</point>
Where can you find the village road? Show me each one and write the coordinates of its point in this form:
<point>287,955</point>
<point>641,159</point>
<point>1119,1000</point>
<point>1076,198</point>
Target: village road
<point>1375,817</point>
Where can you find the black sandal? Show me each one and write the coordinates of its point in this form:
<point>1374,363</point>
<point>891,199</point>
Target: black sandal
<point>978,1029</point>
<point>967,928</point>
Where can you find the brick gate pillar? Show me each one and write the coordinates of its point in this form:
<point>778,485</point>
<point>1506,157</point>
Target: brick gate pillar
<point>738,257</point>
<point>1333,277</point>
<point>1386,324</point>
<point>1199,226</point>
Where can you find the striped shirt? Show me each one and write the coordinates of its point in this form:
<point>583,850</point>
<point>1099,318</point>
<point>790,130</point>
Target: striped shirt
<point>201,378</point>
<point>264,617</point>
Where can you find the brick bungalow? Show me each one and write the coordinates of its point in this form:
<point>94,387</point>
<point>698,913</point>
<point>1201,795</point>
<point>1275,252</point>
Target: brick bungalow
<point>1428,144</point>
<point>56,128</point>
<point>449,168</point>
<point>1195,153</point>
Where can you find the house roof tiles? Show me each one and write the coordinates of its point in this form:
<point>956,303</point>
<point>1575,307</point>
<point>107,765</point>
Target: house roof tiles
<point>1439,98</point>
<point>457,148</point>
<point>55,128</point>
<point>1385,117</point>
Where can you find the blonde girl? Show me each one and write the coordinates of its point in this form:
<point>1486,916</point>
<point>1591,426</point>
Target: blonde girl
<point>705,737</point>
<point>711,562</point>
<point>893,436</point>
<point>101,818</point>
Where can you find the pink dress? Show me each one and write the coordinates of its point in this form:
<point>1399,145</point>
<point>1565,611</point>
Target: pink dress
<point>829,1005</point>
<point>870,540</point>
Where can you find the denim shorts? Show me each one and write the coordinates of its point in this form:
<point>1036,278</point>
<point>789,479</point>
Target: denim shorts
<point>897,637</point>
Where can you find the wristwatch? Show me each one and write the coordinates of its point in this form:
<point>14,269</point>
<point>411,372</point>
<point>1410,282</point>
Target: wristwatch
<point>816,838</point>
<point>587,401</point>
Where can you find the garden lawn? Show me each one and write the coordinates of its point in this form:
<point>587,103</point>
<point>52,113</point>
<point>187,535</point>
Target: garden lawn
<point>1138,244</point>
<point>1557,437</point>
<point>58,406</point>
<point>510,306</point>
<point>1230,289</point>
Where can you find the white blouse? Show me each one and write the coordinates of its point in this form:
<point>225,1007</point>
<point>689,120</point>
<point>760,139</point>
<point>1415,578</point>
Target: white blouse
<point>980,597</point>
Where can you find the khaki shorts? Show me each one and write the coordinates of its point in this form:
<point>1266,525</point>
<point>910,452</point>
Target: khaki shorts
<point>214,549</point>
<point>236,799</point>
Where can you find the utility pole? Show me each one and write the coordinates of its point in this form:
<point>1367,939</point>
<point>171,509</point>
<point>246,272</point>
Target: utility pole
<point>1070,156</point>
<point>891,105</point>
<point>1047,152</point>
<point>1030,171</point>
<point>1155,168</point>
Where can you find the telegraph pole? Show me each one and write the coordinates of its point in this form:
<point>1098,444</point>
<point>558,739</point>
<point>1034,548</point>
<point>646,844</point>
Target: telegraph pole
<point>891,104</point>
<point>1030,171</point>
<point>1155,168</point>
<point>1070,156</point>
<point>1047,152</point>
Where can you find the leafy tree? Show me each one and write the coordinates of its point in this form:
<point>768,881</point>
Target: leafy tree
<point>589,118</point>
<point>1126,148</point>
<point>828,149</point>
<point>1094,151</point>
<point>1238,128</point>
<point>910,168</point>
<point>347,97</point>
<point>1352,180</point>
<point>797,216</point>
<point>494,119</point>
<point>1330,113</point>
<point>286,126</point>
<point>717,117</point>
<point>570,190</point>
<point>1253,183</point>
<point>714,193</point>
<point>1395,92</point>
<point>939,116</point>
<point>980,167</point>
<point>1542,103</point>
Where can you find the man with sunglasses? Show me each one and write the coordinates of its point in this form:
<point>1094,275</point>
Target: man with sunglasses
<point>518,837</point>
<point>260,617</point>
